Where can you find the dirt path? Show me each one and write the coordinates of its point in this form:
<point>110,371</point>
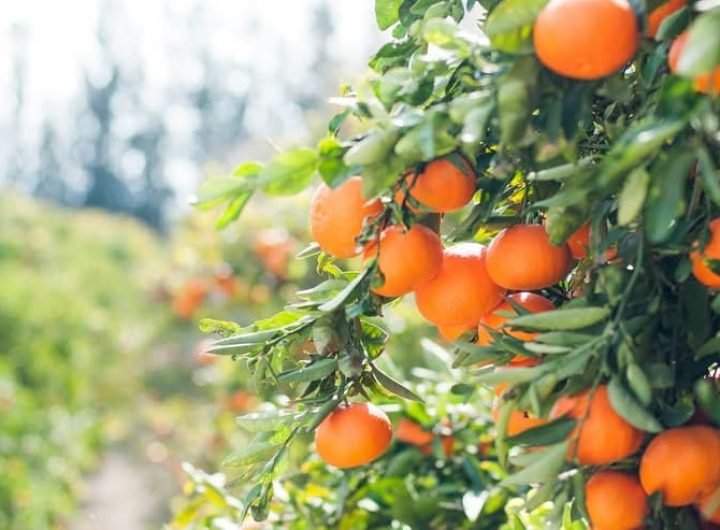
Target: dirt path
<point>120,496</point>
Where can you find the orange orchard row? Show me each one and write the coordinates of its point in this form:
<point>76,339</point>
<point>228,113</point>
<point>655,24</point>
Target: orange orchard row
<point>463,287</point>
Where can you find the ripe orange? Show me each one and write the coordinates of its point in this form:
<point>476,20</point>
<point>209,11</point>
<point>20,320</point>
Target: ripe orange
<point>274,249</point>
<point>683,464</point>
<point>442,186</point>
<point>519,421</point>
<point>411,432</point>
<point>604,436</point>
<point>532,302</point>
<point>579,242</point>
<point>708,83</point>
<point>615,501</point>
<point>407,259</point>
<point>586,39</point>
<point>462,292</point>
<point>189,298</point>
<point>659,14</point>
<point>706,504</point>
<point>451,333</point>
<point>522,258</point>
<point>353,435</point>
<point>337,216</point>
<point>701,271</point>
<point>241,401</point>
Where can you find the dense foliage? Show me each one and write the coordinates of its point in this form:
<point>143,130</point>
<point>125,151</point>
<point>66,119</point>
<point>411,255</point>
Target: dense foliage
<point>620,152</point>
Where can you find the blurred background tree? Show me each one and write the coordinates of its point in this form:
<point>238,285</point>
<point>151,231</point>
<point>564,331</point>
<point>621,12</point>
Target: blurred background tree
<point>125,106</point>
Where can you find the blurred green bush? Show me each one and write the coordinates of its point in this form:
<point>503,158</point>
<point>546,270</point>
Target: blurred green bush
<point>75,320</point>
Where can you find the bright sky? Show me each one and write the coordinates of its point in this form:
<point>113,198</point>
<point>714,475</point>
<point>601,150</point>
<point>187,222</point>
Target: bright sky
<point>164,38</point>
<point>60,37</point>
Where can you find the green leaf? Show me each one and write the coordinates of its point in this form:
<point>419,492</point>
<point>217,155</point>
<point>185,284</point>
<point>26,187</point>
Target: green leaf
<point>394,387</point>
<point>711,347</point>
<point>267,421</point>
<point>323,412</point>
<point>666,201</point>
<point>710,175</point>
<point>476,121</point>
<point>252,454</point>
<point>632,196</point>
<point>515,95</point>
<point>336,122</point>
<point>322,290</point>
<point>561,172</point>
<point>340,298</point>
<point>564,338</point>
<point>281,320</point>
<point>639,384</point>
<point>289,172</point>
<point>701,53</point>
<point>539,348</point>
<point>250,338</point>
<point>708,397</point>
<point>426,141</point>
<point>660,375</point>
<point>550,433</point>
<point>375,147</point>
<point>629,409</point>
<point>542,495</point>
<point>679,413</point>
<point>509,375</point>
<point>374,337</point>
<point>213,192</point>
<point>221,327</point>
<point>319,369</point>
<point>387,12</point>
<point>547,465</point>
<point>234,209</point>
<point>462,389</point>
<point>392,54</point>
<point>445,34</point>
<point>640,141</point>
<point>561,319</point>
<point>332,168</point>
<point>510,24</point>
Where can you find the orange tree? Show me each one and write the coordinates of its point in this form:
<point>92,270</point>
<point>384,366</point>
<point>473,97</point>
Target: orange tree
<point>567,149</point>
